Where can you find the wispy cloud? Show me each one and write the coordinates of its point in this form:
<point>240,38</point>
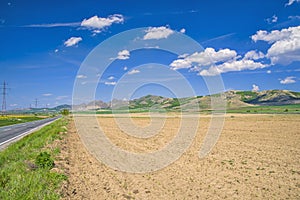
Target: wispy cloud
<point>52,25</point>
<point>172,13</point>
<point>292,21</point>
<point>111,78</point>
<point>272,19</point>
<point>95,23</point>
<point>80,76</point>
<point>288,80</point>
<point>290,2</point>
<point>61,97</point>
<point>47,95</point>
<point>110,83</point>
<point>294,17</point>
<point>134,71</point>
<point>218,38</point>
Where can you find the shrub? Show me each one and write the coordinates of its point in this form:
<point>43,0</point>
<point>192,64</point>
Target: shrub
<point>44,160</point>
<point>65,112</point>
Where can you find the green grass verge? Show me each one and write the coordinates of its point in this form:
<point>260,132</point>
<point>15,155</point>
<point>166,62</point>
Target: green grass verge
<point>282,109</point>
<point>21,176</point>
<point>10,120</point>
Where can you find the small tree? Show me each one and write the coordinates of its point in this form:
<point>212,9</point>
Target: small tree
<point>65,112</point>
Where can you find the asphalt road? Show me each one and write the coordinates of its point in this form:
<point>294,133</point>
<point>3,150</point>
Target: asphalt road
<point>14,132</point>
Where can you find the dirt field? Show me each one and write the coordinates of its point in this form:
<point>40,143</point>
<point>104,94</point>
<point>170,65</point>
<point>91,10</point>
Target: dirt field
<point>256,157</point>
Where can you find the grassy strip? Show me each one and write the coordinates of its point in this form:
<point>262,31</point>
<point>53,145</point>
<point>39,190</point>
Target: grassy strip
<point>22,176</point>
<point>10,120</point>
<point>282,109</point>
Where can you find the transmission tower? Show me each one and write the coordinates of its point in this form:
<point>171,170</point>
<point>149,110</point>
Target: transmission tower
<point>4,93</point>
<point>36,103</point>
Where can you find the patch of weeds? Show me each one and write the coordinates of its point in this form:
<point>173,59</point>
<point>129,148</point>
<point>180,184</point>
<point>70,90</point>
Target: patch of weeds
<point>125,186</point>
<point>44,160</point>
<point>244,162</point>
<point>4,179</point>
<point>126,196</point>
<point>230,162</point>
<point>56,151</point>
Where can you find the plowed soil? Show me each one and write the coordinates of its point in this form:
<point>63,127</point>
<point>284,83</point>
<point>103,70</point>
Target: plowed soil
<point>256,157</point>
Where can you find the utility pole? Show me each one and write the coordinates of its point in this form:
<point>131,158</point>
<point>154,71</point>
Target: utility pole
<point>4,93</point>
<point>36,102</point>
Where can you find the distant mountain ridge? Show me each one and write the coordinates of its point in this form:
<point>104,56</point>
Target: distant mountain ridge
<point>234,98</point>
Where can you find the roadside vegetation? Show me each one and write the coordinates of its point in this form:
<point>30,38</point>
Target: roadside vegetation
<point>25,166</point>
<point>6,120</point>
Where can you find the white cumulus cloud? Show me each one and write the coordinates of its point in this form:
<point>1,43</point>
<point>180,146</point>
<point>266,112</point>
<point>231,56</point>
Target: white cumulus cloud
<point>134,71</point>
<point>180,64</point>
<point>285,46</point>
<point>236,65</point>
<point>271,37</point>
<point>254,55</point>
<point>123,55</point>
<point>99,23</point>
<point>208,57</point>
<point>255,88</point>
<point>161,32</point>
<point>288,80</point>
<point>125,68</point>
<point>182,30</point>
<point>72,41</point>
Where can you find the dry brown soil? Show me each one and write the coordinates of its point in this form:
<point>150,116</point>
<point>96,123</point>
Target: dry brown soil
<point>256,157</point>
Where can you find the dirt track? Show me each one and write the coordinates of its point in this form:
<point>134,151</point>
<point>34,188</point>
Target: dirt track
<point>256,157</point>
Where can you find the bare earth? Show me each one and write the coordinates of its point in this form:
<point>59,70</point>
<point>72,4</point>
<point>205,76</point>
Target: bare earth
<point>256,157</point>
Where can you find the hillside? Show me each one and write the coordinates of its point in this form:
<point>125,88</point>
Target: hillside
<point>270,97</point>
<point>235,100</point>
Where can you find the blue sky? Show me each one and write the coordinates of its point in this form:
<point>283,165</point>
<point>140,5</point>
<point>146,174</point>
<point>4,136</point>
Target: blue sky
<point>250,44</point>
